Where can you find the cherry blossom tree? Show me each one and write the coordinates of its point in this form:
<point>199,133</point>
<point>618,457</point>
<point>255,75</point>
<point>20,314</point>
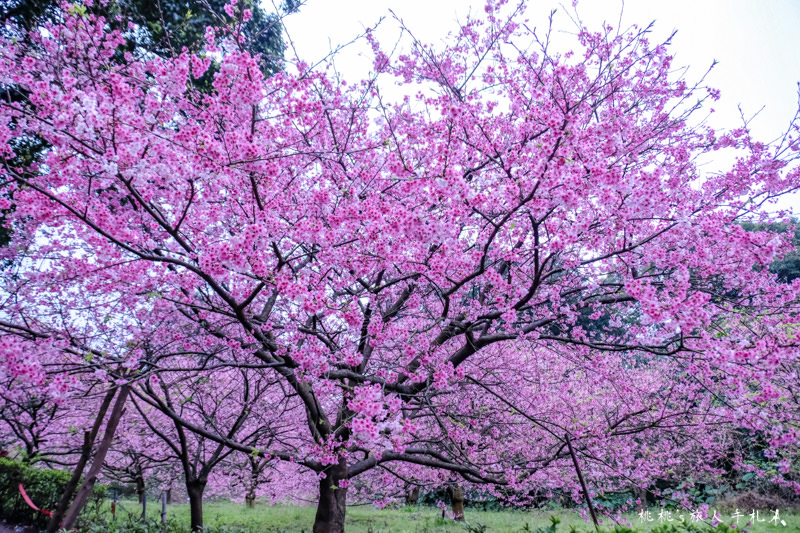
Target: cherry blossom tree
<point>30,419</point>
<point>516,268</point>
<point>233,402</point>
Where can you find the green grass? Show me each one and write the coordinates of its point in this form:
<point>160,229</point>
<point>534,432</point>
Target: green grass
<point>367,519</point>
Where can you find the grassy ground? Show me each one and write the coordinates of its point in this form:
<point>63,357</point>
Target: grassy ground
<point>367,519</point>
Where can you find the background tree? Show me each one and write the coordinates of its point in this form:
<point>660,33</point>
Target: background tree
<point>165,27</point>
<point>230,402</point>
<point>787,267</point>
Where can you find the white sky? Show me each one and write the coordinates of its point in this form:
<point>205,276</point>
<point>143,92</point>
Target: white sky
<point>756,42</point>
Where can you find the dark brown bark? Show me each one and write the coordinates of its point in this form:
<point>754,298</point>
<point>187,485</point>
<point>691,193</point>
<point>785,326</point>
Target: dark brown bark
<point>86,452</point>
<point>412,495</point>
<point>250,497</point>
<point>140,486</point>
<point>583,483</point>
<point>641,494</point>
<point>457,498</point>
<point>85,490</point>
<point>195,488</point>
<point>332,501</point>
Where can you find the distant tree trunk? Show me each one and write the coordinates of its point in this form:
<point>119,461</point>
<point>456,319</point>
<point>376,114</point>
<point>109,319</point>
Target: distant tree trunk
<point>88,484</point>
<point>195,489</point>
<point>86,452</point>
<point>169,495</point>
<point>412,495</point>
<point>250,499</point>
<point>457,497</point>
<point>140,488</point>
<point>332,501</point>
<point>640,493</point>
<point>30,453</point>
<point>255,469</point>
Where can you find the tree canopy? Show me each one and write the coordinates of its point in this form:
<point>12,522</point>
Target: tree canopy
<point>515,268</point>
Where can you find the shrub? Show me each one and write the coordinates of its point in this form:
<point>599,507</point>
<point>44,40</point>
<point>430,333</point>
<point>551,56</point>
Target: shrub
<point>44,487</point>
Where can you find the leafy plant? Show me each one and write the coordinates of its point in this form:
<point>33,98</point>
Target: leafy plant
<point>548,529</point>
<point>43,487</point>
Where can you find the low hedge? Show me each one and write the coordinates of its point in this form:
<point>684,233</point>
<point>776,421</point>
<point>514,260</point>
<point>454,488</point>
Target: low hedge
<point>43,487</point>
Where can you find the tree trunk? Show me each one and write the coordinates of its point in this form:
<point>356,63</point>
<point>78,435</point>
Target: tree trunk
<point>640,493</point>
<point>86,452</point>
<point>332,501</point>
<point>195,488</point>
<point>140,486</point>
<point>85,490</point>
<point>164,509</point>
<point>412,495</point>
<point>457,495</point>
<point>250,497</point>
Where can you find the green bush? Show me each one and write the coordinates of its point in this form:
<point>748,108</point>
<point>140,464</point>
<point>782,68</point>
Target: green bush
<point>44,487</point>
